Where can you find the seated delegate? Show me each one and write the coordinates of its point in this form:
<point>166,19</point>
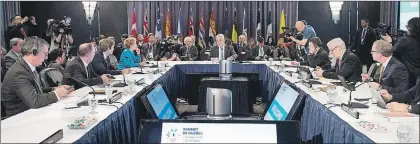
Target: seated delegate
<point>21,89</point>
<point>317,55</point>
<point>100,62</point>
<point>128,59</point>
<point>404,102</point>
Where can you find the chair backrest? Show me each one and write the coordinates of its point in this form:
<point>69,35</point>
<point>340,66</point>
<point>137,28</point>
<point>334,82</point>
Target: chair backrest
<point>51,77</point>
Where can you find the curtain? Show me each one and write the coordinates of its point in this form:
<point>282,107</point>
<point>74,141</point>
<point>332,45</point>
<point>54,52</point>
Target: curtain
<point>9,9</point>
<point>388,13</point>
<point>251,8</point>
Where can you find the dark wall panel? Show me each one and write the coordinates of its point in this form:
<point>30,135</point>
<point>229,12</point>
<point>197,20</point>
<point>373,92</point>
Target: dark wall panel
<point>113,23</point>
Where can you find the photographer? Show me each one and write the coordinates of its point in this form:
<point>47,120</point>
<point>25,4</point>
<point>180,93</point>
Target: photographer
<point>407,49</point>
<point>308,33</point>
<point>189,52</point>
<point>21,28</point>
<point>169,49</point>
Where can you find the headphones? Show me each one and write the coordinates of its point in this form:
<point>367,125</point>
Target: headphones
<point>35,51</point>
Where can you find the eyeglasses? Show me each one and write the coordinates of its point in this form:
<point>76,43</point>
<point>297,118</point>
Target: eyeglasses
<point>333,49</point>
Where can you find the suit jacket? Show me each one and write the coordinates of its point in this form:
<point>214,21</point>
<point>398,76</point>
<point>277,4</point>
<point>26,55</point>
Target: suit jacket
<point>349,68</point>
<point>101,66</point>
<point>76,69</point>
<point>192,53</point>
<point>11,58</point>
<point>20,91</point>
<point>407,51</point>
<point>395,77</point>
<point>145,49</point>
<point>243,48</point>
<point>229,52</point>
<point>362,50</point>
<point>410,97</point>
<point>320,59</point>
<point>255,51</point>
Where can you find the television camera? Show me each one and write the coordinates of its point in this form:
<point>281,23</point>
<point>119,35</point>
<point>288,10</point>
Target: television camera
<point>59,26</point>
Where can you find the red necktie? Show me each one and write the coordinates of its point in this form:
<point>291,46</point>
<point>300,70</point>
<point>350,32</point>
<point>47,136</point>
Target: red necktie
<point>23,33</point>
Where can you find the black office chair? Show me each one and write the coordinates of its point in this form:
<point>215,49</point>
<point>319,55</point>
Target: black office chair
<point>51,77</point>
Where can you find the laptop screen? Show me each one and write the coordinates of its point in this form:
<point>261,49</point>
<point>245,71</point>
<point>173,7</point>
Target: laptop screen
<point>160,103</point>
<point>282,103</point>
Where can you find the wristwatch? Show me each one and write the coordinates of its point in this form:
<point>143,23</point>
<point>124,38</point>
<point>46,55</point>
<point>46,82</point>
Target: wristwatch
<point>409,108</point>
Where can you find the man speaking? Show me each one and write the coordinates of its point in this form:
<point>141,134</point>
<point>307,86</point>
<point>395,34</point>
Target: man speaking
<point>308,33</point>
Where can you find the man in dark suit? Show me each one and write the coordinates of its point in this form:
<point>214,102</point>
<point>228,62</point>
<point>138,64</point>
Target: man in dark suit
<point>21,29</point>
<point>100,63</point>
<point>407,101</point>
<point>393,75</point>
<point>365,36</point>
<point>14,54</point>
<point>347,66</point>
<point>222,51</point>
<point>149,50</point>
<point>81,70</point>
<point>3,64</point>
<point>21,88</point>
<point>261,51</point>
<point>244,51</point>
<point>317,55</point>
<point>188,51</point>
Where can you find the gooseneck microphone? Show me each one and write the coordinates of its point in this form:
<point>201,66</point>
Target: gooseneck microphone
<point>123,84</point>
<point>66,75</point>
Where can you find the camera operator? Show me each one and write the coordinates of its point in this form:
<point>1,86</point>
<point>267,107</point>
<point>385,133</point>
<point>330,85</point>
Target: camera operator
<point>308,33</point>
<point>407,49</point>
<point>170,49</point>
<point>189,52</point>
<point>60,40</point>
<point>261,51</point>
<point>20,28</point>
<point>149,50</point>
<point>364,40</point>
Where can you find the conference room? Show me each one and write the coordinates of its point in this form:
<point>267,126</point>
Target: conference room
<point>210,71</point>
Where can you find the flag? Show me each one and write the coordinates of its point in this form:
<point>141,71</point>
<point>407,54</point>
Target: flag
<point>258,23</point>
<point>179,28</point>
<point>134,24</point>
<point>168,31</point>
<point>202,32</point>
<point>282,24</point>
<point>269,26</point>
<point>191,27</point>
<point>234,33</point>
<point>158,27</point>
<point>145,28</point>
<point>244,27</point>
<point>226,22</point>
<point>212,29</point>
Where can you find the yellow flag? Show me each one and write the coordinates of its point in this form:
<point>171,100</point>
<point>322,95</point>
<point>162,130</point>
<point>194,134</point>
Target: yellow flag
<point>234,33</point>
<point>282,24</point>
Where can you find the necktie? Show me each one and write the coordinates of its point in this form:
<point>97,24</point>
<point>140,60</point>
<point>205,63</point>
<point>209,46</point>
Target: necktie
<point>223,53</point>
<point>339,64</point>
<point>380,74</point>
<point>23,33</point>
<point>37,80</point>
<point>363,35</point>
<point>87,72</point>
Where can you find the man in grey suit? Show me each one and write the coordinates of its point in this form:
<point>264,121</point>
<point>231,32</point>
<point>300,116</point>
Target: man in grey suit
<point>149,50</point>
<point>189,52</point>
<point>261,51</point>
<point>222,51</point>
<point>21,88</point>
<point>14,54</point>
<point>244,51</point>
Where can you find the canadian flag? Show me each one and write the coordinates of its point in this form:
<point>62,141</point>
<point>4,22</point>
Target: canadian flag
<point>134,25</point>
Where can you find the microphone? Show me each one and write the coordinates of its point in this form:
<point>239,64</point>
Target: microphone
<point>66,75</point>
<point>123,84</point>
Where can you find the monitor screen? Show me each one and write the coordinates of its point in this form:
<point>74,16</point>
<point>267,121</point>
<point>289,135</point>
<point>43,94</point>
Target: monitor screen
<point>161,104</point>
<point>408,10</point>
<point>282,103</point>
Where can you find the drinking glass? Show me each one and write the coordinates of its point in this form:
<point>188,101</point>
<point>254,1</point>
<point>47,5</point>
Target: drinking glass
<point>270,61</point>
<point>93,103</point>
<point>331,93</point>
<point>108,90</point>
<point>404,132</point>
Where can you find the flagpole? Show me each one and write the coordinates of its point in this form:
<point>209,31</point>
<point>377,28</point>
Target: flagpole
<point>99,21</point>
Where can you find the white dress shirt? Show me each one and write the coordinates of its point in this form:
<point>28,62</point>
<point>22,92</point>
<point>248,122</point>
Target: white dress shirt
<point>86,65</point>
<point>222,52</point>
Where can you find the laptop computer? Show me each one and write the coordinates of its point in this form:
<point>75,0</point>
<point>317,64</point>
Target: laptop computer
<point>218,131</point>
<point>377,96</point>
<point>285,103</point>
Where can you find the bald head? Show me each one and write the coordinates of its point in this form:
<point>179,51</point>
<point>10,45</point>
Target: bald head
<point>86,52</point>
<point>300,26</point>
<point>242,38</point>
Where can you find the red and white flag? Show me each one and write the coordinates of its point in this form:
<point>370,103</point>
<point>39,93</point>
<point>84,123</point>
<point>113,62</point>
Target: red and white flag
<point>134,24</point>
<point>145,28</point>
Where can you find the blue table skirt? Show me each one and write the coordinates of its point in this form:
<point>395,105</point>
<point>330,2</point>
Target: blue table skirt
<point>319,122</point>
<point>122,126</point>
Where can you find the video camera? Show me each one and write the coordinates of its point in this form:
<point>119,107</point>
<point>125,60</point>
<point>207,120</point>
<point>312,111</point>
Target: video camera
<point>60,26</point>
<point>168,44</point>
<point>293,32</point>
